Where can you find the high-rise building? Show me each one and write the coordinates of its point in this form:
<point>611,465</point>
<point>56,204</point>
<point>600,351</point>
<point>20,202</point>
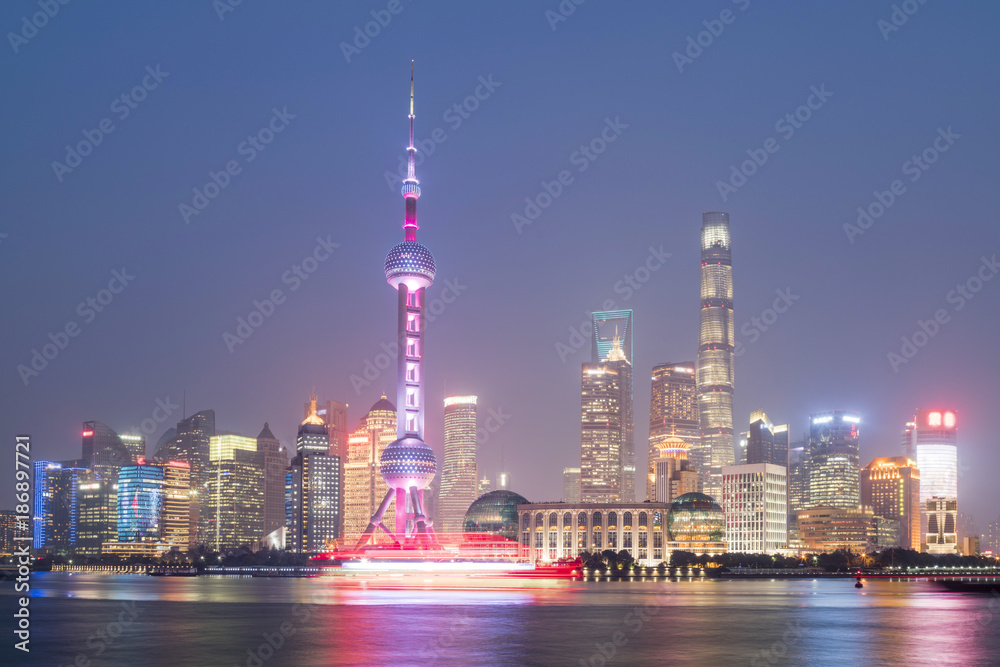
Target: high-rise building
<point>190,443</point>
<point>767,443</point>
<point>992,537</point>
<point>408,465</point>
<point>742,440</point>
<point>140,502</point>
<point>971,546</point>
<point>600,434</point>
<point>42,501</point>
<point>891,487</point>
<point>275,462</point>
<point>673,411</point>
<point>61,516</point>
<point>232,504</point>
<point>175,517</point>
<point>942,525</point>
<point>459,471</point>
<point>97,513</point>
<point>755,503</point>
<point>716,348</point>
<point>673,473</point>
<point>313,435</point>
<point>8,531</point>
<point>799,456</point>
<point>931,440</point>
<point>363,484</point>
<point>835,460</point>
<point>612,346</point>
<point>135,444</point>
<point>571,485</point>
<point>485,484</point>
<point>104,451</point>
<point>314,497</point>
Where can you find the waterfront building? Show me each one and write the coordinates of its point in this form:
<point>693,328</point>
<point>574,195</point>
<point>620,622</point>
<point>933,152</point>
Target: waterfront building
<point>140,502</point>
<point>97,513</point>
<point>175,517</point>
<point>232,505</point>
<point>104,451</point>
<point>716,348</point>
<point>495,512</point>
<point>571,485</point>
<point>696,523</point>
<point>942,525</point>
<point>62,510</point>
<point>363,485</point>
<point>600,434</point>
<point>835,459</point>
<point>673,411</point>
<point>275,462</point>
<point>673,474</point>
<point>314,491</point>
<point>970,546</point>
<point>891,487</point>
<point>8,530</point>
<point>833,528</point>
<point>755,503</point>
<point>931,440</point>
<point>459,471</point>
<point>551,531</point>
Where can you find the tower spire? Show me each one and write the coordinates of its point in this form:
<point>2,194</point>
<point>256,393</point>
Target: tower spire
<point>411,186</point>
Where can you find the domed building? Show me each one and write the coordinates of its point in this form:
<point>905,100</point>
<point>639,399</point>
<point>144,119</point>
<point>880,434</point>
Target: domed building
<point>494,512</point>
<point>696,523</point>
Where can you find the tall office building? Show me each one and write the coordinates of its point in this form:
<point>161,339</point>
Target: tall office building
<point>62,511</point>
<point>135,444</point>
<point>742,441</point>
<point>232,503</point>
<point>891,487</point>
<point>363,483</point>
<point>314,502</point>
<point>459,472</point>
<point>673,411</point>
<point>716,347</point>
<point>767,443</point>
<point>755,503</point>
<point>931,440</point>
<point>799,456</point>
<point>673,474</point>
<point>104,451</point>
<point>42,492</point>
<point>191,443</point>
<point>992,537</point>
<point>334,415</point>
<point>942,525</point>
<point>600,434</point>
<point>313,436</point>
<point>611,332</point>
<point>275,462</point>
<point>835,460</point>
<point>8,531</point>
<point>140,502</point>
<point>175,515</point>
<point>571,485</point>
<point>97,512</point>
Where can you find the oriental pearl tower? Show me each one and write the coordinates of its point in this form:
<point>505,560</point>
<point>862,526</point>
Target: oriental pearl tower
<point>408,464</point>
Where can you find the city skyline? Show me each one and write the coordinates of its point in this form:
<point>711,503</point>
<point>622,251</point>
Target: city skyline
<point>275,212</point>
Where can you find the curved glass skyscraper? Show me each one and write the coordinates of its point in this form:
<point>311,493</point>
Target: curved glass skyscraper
<point>716,345</point>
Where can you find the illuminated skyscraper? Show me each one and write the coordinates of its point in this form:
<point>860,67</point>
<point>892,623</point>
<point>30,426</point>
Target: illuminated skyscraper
<point>62,511</point>
<point>673,411</point>
<point>314,492</point>
<point>233,501</point>
<point>571,485</point>
<point>175,517</point>
<point>716,346</point>
<point>363,485</point>
<point>931,440</point>
<point>459,472</point>
<point>612,345</point>
<point>103,449</point>
<point>97,513</point>
<point>42,501</point>
<point>135,444</point>
<point>891,487</point>
<point>600,434</point>
<point>140,503</point>
<point>673,473</point>
<point>275,462</point>
<point>835,459</point>
<point>756,507</point>
<point>942,525</point>
<point>8,531</point>
<point>408,465</point>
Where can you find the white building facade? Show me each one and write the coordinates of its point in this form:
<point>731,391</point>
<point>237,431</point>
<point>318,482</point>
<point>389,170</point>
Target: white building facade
<point>755,502</point>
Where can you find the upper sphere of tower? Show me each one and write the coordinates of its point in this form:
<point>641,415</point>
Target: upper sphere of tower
<point>411,263</point>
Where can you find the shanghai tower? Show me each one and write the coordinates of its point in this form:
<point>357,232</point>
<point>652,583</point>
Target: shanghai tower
<point>715,354</point>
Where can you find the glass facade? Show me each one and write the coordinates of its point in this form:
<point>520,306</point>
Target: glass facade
<point>696,517</point>
<point>601,433</point>
<point>891,487</point>
<point>835,459</point>
<point>673,411</point>
<point>459,472</point>
<point>496,512</point>
<point>611,345</point>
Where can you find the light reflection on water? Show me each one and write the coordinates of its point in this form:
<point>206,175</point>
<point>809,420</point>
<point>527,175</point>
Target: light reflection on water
<point>216,620</point>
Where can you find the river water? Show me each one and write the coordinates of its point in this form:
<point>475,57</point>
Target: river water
<point>92,619</point>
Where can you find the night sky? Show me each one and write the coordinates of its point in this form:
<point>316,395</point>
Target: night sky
<point>547,89</point>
